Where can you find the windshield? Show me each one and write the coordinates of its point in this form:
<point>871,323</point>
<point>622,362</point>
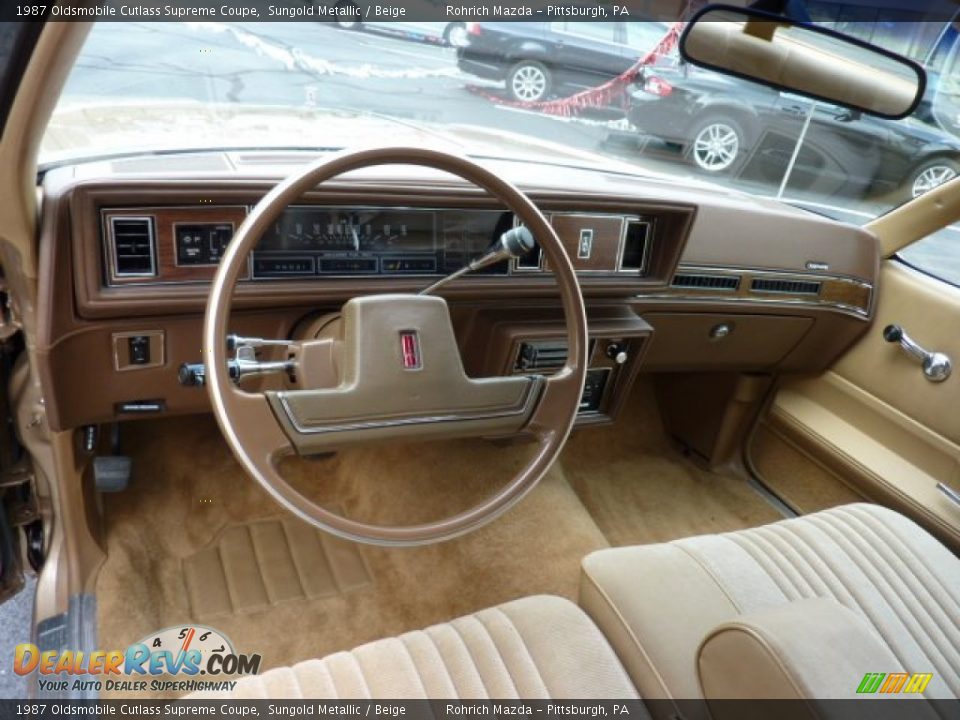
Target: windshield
<point>570,93</point>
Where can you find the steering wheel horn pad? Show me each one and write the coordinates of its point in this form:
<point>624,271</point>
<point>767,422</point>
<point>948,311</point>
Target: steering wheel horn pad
<point>383,395</point>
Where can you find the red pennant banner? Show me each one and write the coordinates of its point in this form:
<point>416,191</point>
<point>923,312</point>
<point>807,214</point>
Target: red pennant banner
<point>601,96</point>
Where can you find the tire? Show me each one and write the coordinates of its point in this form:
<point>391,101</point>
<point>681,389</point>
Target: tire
<point>716,145</point>
<point>455,34</point>
<point>928,175</point>
<point>346,22</point>
<point>529,81</point>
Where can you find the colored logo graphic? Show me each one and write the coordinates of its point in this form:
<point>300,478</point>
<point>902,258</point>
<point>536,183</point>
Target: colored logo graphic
<point>185,651</point>
<point>894,683</point>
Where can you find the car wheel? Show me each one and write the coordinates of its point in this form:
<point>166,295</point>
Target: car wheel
<point>456,34</point>
<point>348,21</point>
<point>529,81</point>
<point>716,145</point>
<point>929,175</point>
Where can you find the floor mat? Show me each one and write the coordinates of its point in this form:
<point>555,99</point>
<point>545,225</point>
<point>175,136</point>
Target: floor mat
<point>255,565</point>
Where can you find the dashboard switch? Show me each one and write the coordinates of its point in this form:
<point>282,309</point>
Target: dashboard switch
<point>138,350</point>
<point>139,346</point>
<point>617,351</point>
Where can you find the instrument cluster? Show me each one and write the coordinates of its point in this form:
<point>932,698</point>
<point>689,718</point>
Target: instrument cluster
<point>311,240</point>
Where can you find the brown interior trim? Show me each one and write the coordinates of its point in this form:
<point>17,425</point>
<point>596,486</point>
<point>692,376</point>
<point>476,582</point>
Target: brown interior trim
<point>164,221</point>
<point>844,294</point>
<point>94,300</point>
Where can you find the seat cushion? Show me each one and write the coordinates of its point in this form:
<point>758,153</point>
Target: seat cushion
<point>536,647</point>
<point>658,603</point>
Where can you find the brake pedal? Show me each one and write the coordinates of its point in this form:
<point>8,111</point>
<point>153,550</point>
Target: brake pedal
<point>111,473</point>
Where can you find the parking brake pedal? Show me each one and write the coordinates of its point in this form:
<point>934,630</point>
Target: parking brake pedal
<point>111,473</point>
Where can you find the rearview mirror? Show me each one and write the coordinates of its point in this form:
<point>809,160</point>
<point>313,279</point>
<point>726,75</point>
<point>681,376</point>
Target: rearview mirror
<point>804,59</point>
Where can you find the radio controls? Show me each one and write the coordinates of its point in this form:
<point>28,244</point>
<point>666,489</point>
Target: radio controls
<point>593,387</point>
<point>617,351</point>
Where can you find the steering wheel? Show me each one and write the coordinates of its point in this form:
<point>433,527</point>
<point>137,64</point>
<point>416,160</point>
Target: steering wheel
<point>400,375</point>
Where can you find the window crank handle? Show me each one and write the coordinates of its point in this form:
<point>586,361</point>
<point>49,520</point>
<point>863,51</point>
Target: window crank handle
<point>936,365</point>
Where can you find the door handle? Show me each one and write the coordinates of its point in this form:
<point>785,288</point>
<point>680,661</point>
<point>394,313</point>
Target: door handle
<point>936,365</point>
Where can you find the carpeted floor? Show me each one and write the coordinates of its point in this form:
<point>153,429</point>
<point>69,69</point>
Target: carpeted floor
<point>615,485</point>
<point>639,489</point>
<point>803,483</point>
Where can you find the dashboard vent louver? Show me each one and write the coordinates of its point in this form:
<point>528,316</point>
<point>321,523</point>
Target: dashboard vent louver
<point>790,287</point>
<point>636,246</point>
<point>134,251</point>
<point>542,355</point>
<point>706,282</point>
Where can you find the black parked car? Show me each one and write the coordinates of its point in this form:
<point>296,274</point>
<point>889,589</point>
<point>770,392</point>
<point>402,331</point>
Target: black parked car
<point>728,126</point>
<point>540,59</point>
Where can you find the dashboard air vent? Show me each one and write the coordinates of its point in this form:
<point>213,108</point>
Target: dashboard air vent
<point>721,283</point>
<point>134,251</point>
<point>636,245</point>
<point>541,355</point>
<point>791,287</point>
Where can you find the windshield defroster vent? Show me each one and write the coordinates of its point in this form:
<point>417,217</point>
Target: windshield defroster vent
<point>706,282</point>
<point>134,250</point>
<point>791,287</point>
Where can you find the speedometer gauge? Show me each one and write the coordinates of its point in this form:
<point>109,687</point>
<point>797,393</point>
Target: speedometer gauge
<point>353,230</point>
<point>313,240</point>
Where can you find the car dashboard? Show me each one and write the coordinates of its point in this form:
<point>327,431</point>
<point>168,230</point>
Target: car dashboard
<point>677,277</point>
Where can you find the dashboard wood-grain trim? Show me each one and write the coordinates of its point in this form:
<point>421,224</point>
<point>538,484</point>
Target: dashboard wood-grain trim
<point>95,300</point>
<point>840,293</point>
<point>605,241</point>
<point>165,219</point>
